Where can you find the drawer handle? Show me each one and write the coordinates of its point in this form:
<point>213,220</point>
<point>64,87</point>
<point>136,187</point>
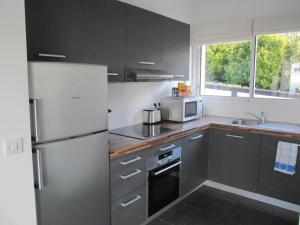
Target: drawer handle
<point>147,63</point>
<point>234,136</point>
<point>125,177</point>
<point>112,74</point>
<point>167,147</point>
<point>124,163</point>
<point>197,137</point>
<point>125,204</point>
<point>52,55</point>
<point>179,76</point>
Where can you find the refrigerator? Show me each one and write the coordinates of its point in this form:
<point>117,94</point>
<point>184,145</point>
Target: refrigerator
<point>68,108</point>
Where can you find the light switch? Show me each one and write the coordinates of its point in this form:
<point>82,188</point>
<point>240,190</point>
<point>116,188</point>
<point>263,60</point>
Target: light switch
<point>12,146</point>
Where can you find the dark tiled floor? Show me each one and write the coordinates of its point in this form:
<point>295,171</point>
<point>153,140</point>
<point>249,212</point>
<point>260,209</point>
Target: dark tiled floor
<point>209,206</point>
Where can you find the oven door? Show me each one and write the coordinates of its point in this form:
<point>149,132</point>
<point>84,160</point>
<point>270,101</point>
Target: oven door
<point>163,186</point>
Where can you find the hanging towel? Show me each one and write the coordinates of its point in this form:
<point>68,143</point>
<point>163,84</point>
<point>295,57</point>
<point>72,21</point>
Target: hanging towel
<point>286,157</point>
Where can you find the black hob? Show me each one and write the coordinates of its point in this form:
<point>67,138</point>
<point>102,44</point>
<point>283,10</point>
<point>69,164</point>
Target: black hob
<point>141,131</point>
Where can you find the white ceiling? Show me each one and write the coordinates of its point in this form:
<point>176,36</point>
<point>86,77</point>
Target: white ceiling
<point>209,12</point>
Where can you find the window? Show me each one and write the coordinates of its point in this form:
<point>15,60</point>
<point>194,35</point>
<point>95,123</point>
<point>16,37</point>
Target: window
<point>278,66</point>
<point>226,68</point>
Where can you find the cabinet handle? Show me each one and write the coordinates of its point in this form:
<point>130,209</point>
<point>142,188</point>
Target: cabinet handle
<point>124,163</point>
<point>179,76</point>
<point>147,63</point>
<point>125,204</point>
<point>40,180</point>
<point>167,148</point>
<point>125,177</point>
<point>234,136</point>
<point>197,137</point>
<point>52,55</point>
<point>112,74</point>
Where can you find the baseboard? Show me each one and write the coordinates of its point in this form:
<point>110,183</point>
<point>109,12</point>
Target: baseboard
<point>254,196</point>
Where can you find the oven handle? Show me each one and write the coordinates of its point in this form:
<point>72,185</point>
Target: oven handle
<point>168,168</point>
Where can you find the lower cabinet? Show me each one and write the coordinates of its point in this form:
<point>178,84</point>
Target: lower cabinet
<point>234,158</point>
<point>130,209</point>
<point>195,161</point>
<point>273,183</point>
<point>128,189</point>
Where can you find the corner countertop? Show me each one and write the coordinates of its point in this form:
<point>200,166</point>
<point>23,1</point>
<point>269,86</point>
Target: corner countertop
<point>120,145</point>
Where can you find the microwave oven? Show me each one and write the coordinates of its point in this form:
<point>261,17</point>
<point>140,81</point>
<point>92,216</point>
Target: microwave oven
<point>181,109</point>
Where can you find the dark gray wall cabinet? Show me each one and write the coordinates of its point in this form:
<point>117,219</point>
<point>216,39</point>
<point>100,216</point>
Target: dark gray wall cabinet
<point>234,158</point>
<point>55,30</point>
<point>273,183</point>
<point>106,32</point>
<point>176,51</point>
<point>195,161</point>
<point>143,38</point>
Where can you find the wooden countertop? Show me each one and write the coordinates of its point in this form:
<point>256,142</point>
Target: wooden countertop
<point>120,145</point>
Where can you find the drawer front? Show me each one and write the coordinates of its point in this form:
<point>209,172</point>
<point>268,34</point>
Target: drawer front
<point>130,161</point>
<point>125,181</point>
<point>129,210</point>
<point>162,148</point>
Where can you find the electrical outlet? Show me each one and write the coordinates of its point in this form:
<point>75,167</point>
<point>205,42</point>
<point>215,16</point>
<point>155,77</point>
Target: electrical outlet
<point>12,146</point>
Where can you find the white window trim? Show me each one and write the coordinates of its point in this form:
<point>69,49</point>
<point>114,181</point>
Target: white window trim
<point>199,88</point>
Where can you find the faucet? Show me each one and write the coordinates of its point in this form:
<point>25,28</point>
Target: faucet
<point>261,118</point>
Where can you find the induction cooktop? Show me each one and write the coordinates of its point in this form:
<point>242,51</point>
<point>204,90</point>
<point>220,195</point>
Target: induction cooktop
<point>142,131</point>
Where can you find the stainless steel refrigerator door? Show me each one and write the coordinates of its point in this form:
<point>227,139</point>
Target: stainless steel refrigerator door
<point>75,175</point>
<point>67,99</point>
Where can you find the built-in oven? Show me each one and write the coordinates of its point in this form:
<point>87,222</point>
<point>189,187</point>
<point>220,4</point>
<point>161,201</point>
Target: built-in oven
<point>163,179</point>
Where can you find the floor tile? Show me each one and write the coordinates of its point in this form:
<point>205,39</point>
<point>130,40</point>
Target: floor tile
<point>158,222</point>
<point>243,215</point>
<point>209,204</point>
<point>180,214</point>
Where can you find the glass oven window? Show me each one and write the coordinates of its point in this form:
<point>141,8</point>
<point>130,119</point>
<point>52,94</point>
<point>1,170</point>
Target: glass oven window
<point>190,109</point>
<point>163,188</point>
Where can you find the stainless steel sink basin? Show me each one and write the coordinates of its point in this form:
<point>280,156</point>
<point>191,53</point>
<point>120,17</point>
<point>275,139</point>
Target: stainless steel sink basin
<point>245,122</point>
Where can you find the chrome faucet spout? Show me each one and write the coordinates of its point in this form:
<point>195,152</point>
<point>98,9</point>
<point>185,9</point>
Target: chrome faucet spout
<point>261,118</point>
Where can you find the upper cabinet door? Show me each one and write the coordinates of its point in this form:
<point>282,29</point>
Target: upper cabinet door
<point>55,30</point>
<point>104,30</point>
<point>143,38</point>
<point>176,49</point>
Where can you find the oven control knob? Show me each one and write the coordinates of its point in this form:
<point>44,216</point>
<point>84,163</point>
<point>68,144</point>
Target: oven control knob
<point>159,162</point>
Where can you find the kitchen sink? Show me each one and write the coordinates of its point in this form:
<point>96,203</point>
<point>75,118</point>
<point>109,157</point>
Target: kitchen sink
<point>245,122</point>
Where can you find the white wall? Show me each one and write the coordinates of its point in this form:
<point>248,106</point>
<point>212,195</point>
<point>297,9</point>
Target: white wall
<point>127,100</point>
<point>17,204</point>
<point>278,111</point>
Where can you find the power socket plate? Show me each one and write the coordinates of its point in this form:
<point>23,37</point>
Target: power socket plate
<point>12,146</point>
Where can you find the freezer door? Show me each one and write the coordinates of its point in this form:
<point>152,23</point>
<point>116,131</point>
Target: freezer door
<point>67,99</point>
<point>74,181</point>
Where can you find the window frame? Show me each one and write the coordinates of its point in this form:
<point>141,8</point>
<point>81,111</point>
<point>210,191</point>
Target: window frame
<point>199,56</point>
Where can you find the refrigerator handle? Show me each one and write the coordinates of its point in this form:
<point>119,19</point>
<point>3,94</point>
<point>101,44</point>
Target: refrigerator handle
<point>39,184</point>
<point>34,103</point>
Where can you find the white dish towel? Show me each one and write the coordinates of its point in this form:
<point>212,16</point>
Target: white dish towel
<point>286,157</point>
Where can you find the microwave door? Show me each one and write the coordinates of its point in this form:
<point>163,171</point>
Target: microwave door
<point>191,109</point>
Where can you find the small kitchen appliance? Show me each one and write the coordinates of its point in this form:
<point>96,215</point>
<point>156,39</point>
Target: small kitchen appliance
<point>151,116</point>
<point>181,109</point>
